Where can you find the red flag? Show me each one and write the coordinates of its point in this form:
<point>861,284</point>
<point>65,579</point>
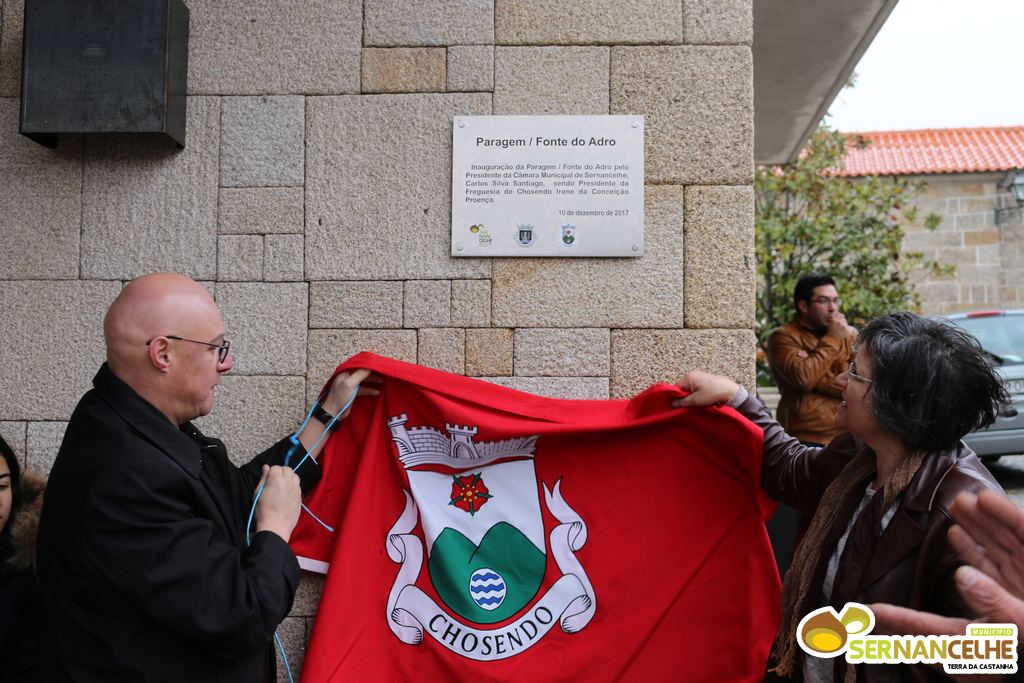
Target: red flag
<point>485,534</point>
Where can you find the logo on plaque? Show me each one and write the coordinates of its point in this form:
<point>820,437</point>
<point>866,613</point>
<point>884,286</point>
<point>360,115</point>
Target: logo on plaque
<point>568,235</point>
<point>483,237</point>
<point>525,235</point>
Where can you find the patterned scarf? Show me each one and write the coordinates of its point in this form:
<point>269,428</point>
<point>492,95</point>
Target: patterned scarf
<point>805,574</point>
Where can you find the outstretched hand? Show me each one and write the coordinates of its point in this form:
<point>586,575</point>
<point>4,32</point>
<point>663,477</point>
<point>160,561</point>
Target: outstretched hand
<point>344,386</point>
<point>704,389</point>
<point>362,381</point>
<point>989,536</point>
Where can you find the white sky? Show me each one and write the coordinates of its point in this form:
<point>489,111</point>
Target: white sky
<point>939,64</point>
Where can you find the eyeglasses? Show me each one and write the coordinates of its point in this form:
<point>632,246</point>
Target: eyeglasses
<point>825,301</point>
<point>852,372</point>
<point>222,349</point>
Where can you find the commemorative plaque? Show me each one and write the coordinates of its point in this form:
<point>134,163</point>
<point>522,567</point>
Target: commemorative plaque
<point>548,186</point>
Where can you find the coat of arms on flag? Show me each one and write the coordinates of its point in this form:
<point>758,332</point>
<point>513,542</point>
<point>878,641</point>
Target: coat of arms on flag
<point>479,509</point>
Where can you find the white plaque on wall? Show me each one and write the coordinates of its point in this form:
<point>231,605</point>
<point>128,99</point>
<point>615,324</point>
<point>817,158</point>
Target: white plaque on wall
<point>548,186</point>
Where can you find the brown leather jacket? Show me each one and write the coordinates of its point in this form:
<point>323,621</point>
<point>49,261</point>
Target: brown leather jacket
<point>913,564</point>
<point>805,367</point>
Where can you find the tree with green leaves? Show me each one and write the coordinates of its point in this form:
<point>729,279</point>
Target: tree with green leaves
<point>809,218</point>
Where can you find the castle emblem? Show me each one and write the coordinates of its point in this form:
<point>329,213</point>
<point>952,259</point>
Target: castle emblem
<point>525,235</point>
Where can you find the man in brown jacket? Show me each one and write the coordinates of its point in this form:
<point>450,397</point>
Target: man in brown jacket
<point>806,356</point>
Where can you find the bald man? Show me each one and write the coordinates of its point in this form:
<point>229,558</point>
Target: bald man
<point>143,556</point>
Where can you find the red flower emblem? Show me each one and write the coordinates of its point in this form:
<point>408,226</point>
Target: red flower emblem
<point>469,493</point>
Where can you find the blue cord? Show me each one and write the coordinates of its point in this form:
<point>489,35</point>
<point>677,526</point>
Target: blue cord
<point>317,519</point>
<point>294,438</point>
<point>284,657</point>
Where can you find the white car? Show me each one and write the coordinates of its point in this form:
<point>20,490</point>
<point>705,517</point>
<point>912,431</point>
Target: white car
<point>1001,334</point>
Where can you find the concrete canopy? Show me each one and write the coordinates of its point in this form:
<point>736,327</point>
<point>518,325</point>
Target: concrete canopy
<point>804,51</point>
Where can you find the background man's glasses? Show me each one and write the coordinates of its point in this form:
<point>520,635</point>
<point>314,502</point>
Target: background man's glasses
<point>222,349</point>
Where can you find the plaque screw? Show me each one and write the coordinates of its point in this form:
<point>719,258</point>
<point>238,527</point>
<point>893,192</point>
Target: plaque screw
<point>636,124</point>
<point>636,247</point>
<point>462,124</point>
<point>458,247</point>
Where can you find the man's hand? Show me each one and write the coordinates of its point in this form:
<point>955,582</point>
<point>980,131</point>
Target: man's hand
<point>278,507</point>
<point>993,603</point>
<point>362,381</point>
<point>901,621</point>
<point>839,328</point>
<point>990,538</point>
<point>705,389</point>
<point>990,600</point>
<point>344,384</point>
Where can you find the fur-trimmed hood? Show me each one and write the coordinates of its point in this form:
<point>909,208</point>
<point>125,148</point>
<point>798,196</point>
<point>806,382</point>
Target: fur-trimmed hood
<point>25,526</point>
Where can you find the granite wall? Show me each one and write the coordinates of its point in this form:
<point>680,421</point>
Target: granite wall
<point>314,198</point>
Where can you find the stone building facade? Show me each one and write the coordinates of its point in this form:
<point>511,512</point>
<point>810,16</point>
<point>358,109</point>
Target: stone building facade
<point>313,197</point>
<point>989,258</point>
<point>965,174</point>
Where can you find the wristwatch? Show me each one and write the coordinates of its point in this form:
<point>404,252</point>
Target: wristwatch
<point>324,418</point>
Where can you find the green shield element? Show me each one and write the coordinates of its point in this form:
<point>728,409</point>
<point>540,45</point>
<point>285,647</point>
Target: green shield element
<point>504,549</point>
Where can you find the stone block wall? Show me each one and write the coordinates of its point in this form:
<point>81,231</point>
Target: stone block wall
<point>989,258</point>
<point>314,199</point>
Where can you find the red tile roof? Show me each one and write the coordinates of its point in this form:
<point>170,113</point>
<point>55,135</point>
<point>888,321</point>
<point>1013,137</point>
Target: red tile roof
<point>943,150</point>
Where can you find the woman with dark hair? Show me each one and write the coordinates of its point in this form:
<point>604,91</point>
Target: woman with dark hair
<point>20,601</point>
<point>874,504</point>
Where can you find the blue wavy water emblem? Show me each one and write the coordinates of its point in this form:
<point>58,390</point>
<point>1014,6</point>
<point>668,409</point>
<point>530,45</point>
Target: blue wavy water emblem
<point>487,588</point>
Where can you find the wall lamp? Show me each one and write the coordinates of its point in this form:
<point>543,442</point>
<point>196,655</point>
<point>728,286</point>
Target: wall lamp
<point>1014,182</point>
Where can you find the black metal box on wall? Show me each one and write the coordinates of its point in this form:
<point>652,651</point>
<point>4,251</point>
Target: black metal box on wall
<point>104,66</point>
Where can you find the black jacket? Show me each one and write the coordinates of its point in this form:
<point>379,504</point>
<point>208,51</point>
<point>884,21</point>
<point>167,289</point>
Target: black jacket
<point>20,623</point>
<point>21,602</point>
<point>142,556</point>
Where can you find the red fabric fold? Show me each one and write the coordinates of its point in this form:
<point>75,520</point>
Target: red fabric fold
<point>664,559</point>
